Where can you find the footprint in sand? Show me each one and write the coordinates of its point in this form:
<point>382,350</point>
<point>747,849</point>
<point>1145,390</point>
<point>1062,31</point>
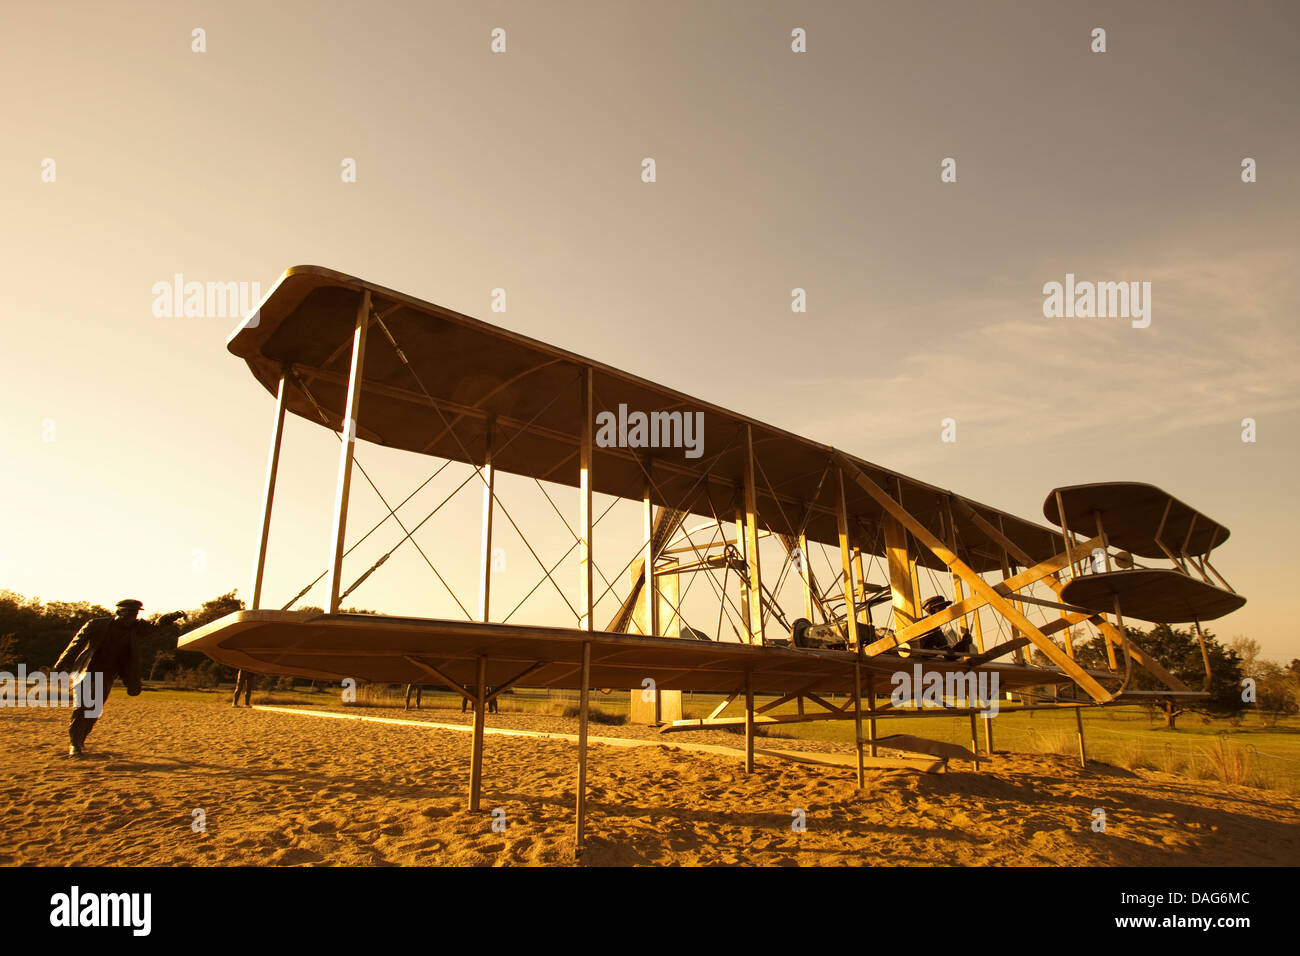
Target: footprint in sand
<point>295,856</point>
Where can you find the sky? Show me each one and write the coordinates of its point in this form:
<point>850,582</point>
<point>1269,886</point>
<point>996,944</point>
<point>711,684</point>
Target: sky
<point>135,446</point>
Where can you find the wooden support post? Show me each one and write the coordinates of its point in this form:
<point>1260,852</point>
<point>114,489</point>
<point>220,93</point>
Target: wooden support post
<point>913,553</point>
<point>489,495</point>
<point>974,740</point>
<point>749,722</point>
<point>743,547</point>
<point>586,590</point>
<point>1160,528</point>
<point>1023,655</point>
<point>1105,542</point>
<point>1127,646</point>
<point>1186,541</point>
<point>649,592</point>
<point>751,543</point>
<point>1078,723</point>
<point>958,591</point>
<point>583,707</point>
<point>871,711</point>
<point>1066,537</point>
<point>1205,654</point>
<point>846,562</point>
<point>857,719</point>
<point>348,426</point>
<point>476,752</point>
<point>268,493</point>
<point>988,735</point>
<point>900,571</point>
<point>805,574</point>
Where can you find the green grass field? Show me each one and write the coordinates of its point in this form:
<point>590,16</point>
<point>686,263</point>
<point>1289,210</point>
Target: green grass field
<point>1251,753</point>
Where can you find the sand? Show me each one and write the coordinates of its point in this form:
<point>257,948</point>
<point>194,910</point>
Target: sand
<point>283,789</point>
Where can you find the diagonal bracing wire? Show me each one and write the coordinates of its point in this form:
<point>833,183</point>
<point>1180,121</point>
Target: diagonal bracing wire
<point>321,412</point>
<point>803,525</point>
<point>408,534</point>
<point>577,541</point>
<point>476,473</point>
<point>375,527</point>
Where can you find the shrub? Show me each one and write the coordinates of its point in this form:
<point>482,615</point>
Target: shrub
<point>196,678</point>
<point>1132,756</point>
<point>1227,762</point>
<point>594,714</point>
<point>1171,761</point>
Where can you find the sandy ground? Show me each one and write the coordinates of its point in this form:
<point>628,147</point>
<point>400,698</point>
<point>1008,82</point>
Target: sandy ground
<point>280,789</point>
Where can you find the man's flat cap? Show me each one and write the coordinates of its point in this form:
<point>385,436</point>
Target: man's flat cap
<point>131,602</point>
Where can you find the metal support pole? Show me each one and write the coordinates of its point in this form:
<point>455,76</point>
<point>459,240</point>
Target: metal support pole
<point>988,735</point>
<point>751,543</point>
<point>649,592</point>
<point>857,720</point>
<point>476,753</point>
<point>749,722</point>
<point>1078,723</point>
<point>586,591</point>
<point>742,548</point>
<point>871,714</point>
<point>974,740</point>
<point>846,563</point>
<point>489,496</point>
<point>349,428</point>
<point>268,494</point>
<point>584,700</point>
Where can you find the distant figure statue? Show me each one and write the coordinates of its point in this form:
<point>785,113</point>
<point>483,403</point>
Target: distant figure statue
<point>464,701</point>
<point>244,682</point>
<point>105,649</point>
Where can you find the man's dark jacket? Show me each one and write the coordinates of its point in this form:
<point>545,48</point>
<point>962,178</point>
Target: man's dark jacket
<point>108,645</point>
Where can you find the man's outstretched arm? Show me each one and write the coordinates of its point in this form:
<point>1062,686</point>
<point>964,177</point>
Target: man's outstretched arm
<point>74,648</point>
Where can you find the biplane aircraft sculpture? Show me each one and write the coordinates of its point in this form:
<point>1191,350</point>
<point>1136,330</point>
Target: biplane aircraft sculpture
<point>373,364</point>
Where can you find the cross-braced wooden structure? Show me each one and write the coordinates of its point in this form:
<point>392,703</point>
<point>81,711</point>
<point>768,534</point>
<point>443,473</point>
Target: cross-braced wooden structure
<point>749,510</point>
